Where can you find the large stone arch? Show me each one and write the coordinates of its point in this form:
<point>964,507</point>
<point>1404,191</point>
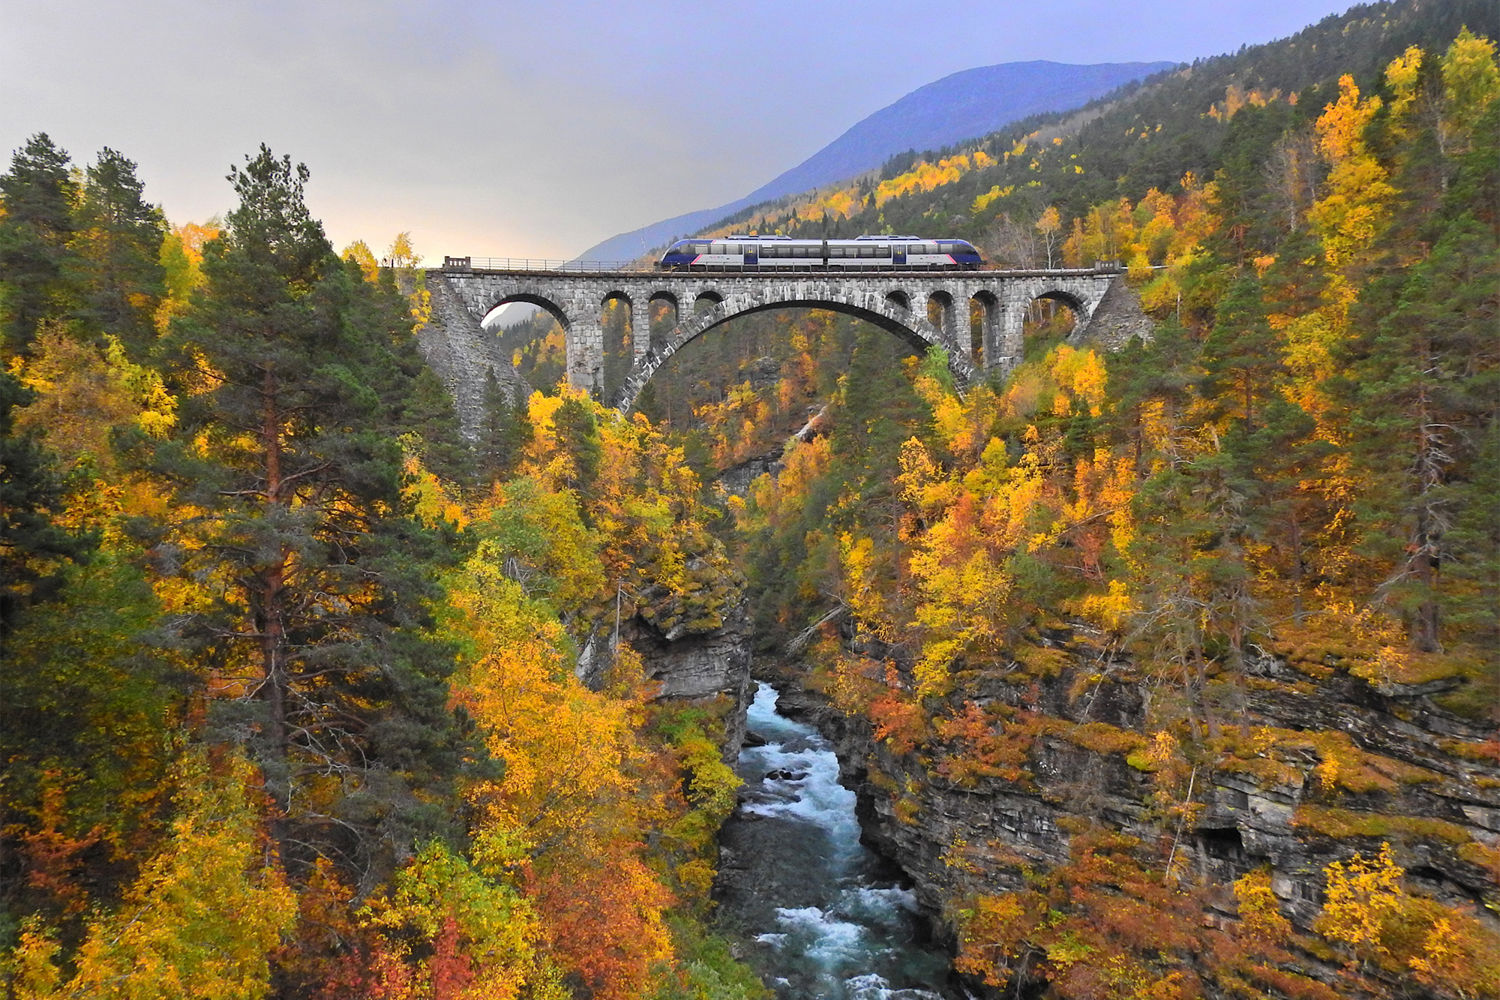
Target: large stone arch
<point>531,297</point>
<point>876,309</point>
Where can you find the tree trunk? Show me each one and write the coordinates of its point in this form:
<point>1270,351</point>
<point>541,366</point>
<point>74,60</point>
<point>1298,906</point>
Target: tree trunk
<point>272,580</point>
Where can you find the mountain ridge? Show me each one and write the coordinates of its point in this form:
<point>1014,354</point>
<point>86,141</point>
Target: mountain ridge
<point>951,109</point>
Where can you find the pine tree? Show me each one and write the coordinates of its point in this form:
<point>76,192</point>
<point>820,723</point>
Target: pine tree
<point>1242,356</point>
<point>287,463</point>
<point>430,415</point>
<point>33,549</point>
<point>35,230</point>
<point>119,242</point>
<point>1424,389</point>
<point>503,434</point>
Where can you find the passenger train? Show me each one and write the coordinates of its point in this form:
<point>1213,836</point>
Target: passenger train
<point>782,253</point>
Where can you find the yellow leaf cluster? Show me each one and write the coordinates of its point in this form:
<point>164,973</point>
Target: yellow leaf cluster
<point>985,200</point>
<point>924,177</point>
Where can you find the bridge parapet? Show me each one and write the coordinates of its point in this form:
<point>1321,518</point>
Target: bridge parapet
<point>898,301</point>
<point>510,265</point>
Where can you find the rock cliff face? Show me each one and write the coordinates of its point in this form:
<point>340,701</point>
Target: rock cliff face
<point>689,655</point>
<point>1313,765</point>
<point>699,665</point>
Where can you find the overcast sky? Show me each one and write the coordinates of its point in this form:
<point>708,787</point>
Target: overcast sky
<point>530,128</point>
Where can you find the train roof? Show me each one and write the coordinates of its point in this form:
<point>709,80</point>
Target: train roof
<point>819,240</point>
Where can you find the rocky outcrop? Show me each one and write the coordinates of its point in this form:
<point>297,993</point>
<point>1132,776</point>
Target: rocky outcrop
<point>694,647</point>
<point>703,665</point>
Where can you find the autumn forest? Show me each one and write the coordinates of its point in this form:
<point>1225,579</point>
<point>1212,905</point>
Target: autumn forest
<point>1165,669</point>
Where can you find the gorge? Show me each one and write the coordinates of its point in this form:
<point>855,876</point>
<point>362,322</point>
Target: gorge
<point>1161,662</point>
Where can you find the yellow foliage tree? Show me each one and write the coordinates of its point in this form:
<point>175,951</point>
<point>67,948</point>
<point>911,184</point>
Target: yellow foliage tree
<point>458,932</point>
<point>1471,82</point>
<point>1362,896</point>
<point>359,252</point>
<point>571,799</point>
<point>201,919</point>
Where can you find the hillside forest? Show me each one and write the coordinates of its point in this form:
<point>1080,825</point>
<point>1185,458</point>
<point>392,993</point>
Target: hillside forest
<point>306,695</point>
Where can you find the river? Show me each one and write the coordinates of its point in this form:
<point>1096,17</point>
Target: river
<point>823,917</point>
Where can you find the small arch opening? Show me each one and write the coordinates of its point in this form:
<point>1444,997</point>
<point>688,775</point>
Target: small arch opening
<point>984,315</point>
<point>898,300</point>
<point>617,319</point>
<point>706,301</point>
<point>663,314</point>
<point>1051,318</point>
<point>533,335</point>
<point>940,311</point>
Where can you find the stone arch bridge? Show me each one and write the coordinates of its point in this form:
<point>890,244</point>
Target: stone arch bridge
<point>923,308</point>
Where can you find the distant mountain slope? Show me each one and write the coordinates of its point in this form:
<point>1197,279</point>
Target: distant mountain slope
<point>965,105</point>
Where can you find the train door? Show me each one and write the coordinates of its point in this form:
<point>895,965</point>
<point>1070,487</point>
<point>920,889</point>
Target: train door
<point>898,254</point>
<point>752,255</point>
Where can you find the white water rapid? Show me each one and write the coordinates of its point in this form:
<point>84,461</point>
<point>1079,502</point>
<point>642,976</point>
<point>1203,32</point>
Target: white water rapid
<point>827,919</point>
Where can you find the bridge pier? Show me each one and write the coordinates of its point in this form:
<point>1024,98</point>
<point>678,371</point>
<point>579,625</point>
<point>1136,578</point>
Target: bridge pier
<point>640,332</point>
<point>584,340</point>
